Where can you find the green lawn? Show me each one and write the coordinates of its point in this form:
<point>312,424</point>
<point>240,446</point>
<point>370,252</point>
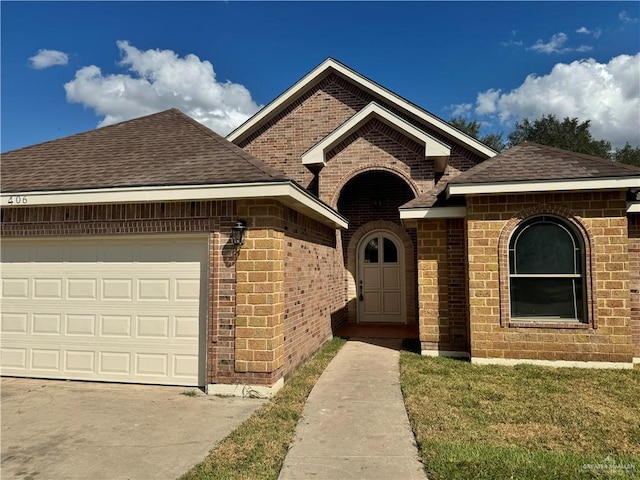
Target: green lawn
<point>522,422</point>
<point>470,421</point>
<point>256,450</point>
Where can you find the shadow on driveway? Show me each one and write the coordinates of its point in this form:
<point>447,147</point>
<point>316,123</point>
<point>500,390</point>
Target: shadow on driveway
<point>80,430</point>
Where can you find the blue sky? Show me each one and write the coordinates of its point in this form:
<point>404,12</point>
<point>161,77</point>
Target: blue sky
<point>68,67</point>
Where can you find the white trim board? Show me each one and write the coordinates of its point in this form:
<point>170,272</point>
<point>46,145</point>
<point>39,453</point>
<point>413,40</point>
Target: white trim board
<point>444,353</point>
<point>434,212</point>
<point>331,65</point>
<point>286,192</point>
<point>633,207</point>
<point>550,363</point>
<point>543,186</point>
<point>433,147</point>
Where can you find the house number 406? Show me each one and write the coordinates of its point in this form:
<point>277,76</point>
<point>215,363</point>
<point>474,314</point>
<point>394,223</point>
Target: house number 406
<point>17,200</point>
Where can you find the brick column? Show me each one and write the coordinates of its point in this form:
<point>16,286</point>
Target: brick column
<point>432,283</point>
<point>259,345</point>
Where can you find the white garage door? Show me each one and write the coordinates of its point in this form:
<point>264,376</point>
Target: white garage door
<point>119,309</point>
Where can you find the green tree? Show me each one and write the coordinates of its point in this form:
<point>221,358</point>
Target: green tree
<point>568,134</point>
<point>628,154</point>
<point>472,128</point>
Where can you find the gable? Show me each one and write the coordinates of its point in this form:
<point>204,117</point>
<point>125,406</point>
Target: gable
<point>433,148</point>
<point>370,92</point>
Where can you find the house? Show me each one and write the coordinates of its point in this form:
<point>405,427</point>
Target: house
<point>358,208</point>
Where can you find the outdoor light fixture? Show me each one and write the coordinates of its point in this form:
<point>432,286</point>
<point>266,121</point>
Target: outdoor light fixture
<point>237,232</point>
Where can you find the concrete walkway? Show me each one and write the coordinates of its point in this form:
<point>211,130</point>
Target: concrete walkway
<point>354,425</point>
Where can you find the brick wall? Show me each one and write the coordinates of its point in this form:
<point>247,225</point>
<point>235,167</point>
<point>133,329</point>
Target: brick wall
<point>634,269</point>
<point>260,299</point>
<point>290,288</point>
<point>607,335</point>
<point>313,284</point>
<point>442,285</point>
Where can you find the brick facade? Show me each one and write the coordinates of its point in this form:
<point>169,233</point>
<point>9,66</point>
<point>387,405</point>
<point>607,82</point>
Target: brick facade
<point>442,291</point>
<point>634,270</point>
<point>367,176</point>
<point>314,287</point>
<point>606,336</point>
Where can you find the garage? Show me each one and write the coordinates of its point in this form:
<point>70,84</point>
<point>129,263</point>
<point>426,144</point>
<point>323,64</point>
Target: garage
<point>118,309</point>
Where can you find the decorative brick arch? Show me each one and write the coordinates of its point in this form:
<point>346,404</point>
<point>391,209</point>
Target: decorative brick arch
<point>503,260</point>
<point>352,264</point>
<point>371,168</point>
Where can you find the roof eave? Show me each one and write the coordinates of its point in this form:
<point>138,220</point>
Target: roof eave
<point>419,213</point>
<point>533,186</point>
<point>285,191</point>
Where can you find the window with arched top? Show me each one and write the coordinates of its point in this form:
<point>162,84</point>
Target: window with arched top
<point>547,271</point>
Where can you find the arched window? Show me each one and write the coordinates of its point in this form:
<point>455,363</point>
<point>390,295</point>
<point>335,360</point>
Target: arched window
<point>546,271</point>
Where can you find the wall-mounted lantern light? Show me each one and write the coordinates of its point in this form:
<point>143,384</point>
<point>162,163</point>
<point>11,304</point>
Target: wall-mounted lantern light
<point>237,232</point>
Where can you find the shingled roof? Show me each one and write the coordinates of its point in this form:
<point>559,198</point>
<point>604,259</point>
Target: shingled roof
<point>523,166</point>
<point>166,148</point>
<point>533,162</point>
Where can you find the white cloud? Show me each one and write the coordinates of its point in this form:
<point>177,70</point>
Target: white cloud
<point>486,102</point>
<point>608,94</point>
<point>594,33</point>
<point>48,58</point>
<point>554,45</point>
<point>624,16</point>
<point>158,80</point>
<point>460,110</point>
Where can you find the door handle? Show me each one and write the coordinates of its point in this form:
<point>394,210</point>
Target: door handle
<point>360,297</point>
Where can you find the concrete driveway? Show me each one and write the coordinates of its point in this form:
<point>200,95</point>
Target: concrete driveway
<point>80,430</point>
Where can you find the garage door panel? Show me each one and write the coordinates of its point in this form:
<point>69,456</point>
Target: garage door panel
<point>74,315</point>
<point>46,324</point>
<point>117,289</point>
<point>116,326</point>
<point>15,288</point>
<point>80,361</point>
<point>153,289</point>
<point>14,323</point>
<point>152,326</point>
<point>13,359</point>
<point>81,325</point>
<point>82,289</point>
<point>185,327</point>
<point>45,359</point>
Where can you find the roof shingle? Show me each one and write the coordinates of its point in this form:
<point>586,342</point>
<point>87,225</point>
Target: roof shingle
<point>166,148</point>
<point>527,162</point>
<point>533,162</point>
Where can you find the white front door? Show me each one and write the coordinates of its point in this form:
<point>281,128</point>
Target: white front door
<point>381,295</point>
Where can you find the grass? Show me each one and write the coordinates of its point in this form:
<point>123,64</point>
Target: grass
<point>256,450</point>
<point>192,392</point>
<point>522,422</point>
